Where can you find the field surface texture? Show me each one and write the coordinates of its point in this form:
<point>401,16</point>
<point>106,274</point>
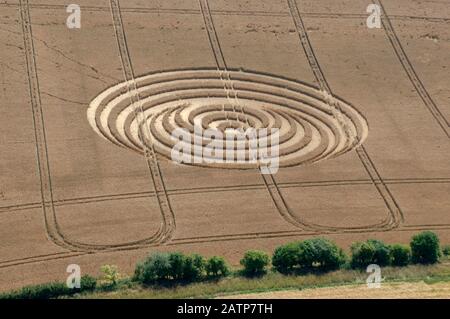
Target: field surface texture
<point>86,117</point>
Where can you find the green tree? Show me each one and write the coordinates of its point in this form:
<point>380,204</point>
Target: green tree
<point>400,255</point>
<point>320,254</point>
<point>370,252</point>
<point>193,268</point>
<point>177,264</point>
<point>425,248</point>
<point>255,262</point>
<point>217,267</point>
<point>285,258</point>
<point>155,268</point>
<point>110,276</point>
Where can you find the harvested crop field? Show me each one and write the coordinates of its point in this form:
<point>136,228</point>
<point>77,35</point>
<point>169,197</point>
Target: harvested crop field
<point>418,290</point>
<point>86,118</point>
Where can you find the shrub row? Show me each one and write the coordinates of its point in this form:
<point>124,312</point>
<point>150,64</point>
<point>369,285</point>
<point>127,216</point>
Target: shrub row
<point>51,290</point>
<point>323,255</point>
<point>424,248</point>
<point>317,254</point>
<point>370,252</point>
<point>312,255</point>
<point>177,267</point>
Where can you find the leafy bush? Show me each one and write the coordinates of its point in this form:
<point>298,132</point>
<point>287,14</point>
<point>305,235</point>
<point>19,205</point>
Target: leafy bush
<point>50,290</point>
<point>87,283</point>
<point>446,250</point>
<point>370,252</point>
<point>177,261</point>
<point>165,267</point>
<point>313,254</point>
<point>320,254</point>
<point>255,262</point>
<point>154,268</point>
<point>400,255</point>
<point>110,276</point>
<point>217,267</point>
<point>382,252</point>
<point>285,258</point>
<point>45,291</point>
<point>425,248</point>
<point>194,267</point>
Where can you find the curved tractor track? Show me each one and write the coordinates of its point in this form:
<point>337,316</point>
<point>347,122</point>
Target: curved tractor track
<point>335,108</point>
<point>332,120</point>
<point>395,216</point>
<point>53,229</point>
<point>141,113</point>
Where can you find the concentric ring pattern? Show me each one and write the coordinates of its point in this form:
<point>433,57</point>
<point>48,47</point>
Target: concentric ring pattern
<point>312,126</point>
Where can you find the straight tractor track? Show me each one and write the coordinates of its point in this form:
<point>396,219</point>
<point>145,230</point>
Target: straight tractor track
<point>253,13</point>
<point>202,240</point>
<point>412,74</point>
<point>215,189</point>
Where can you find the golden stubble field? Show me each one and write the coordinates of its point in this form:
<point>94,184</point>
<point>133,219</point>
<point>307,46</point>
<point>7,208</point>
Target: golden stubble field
<point>76,188</point>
